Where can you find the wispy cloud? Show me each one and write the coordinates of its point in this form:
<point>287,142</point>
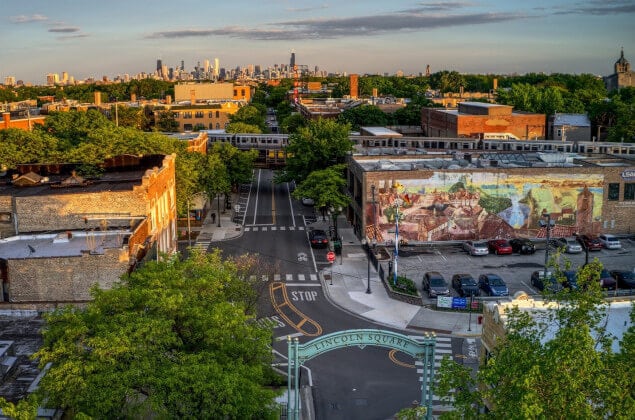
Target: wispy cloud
<point>74,36</point>
<point>598,8</point>
<point>64,29</point>
<point>28,18</point>
<point>308,9</point>
<point>353,26</point>
<point>438,6</point>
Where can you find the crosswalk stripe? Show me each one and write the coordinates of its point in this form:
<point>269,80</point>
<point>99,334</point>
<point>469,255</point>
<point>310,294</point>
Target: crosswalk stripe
<point>301,277</point>
<point>313,277</point>
<point>276,277</point>
<point>255,228</point>
<point>289,277</point>
<point>283,227</point>
<point>274,228</point>
<point>291,227</point>
<point>300,227</point>
<point>263,229</point>
<point>247,229</point>
<point>265,277</point>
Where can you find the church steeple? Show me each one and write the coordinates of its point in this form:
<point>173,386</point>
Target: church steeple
<point>622,65</point>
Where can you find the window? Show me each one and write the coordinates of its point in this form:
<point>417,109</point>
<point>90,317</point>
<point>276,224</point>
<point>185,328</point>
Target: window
<point>217,114</point>
<point>210,114</point>
<point>187,114</point>
<point>614,192</point>
<point>187,127</point>
<point>629,191</point>
<point>198,114</point>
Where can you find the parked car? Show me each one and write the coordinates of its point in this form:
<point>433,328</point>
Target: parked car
<point>499,247</point>
<point>607,281</point>
<point>318,238</point>
<point>625,278</point>
<point>307,201</point>
<point>590,242</point>
<point>434,283</point>
<point>465,285</point>
<point>551,283</point>
<point>522,246</point>
<point>476,247</point>
<point>493,285</point>
<point>610,241</point>
<point>570,246</point>
<point>570,280</point>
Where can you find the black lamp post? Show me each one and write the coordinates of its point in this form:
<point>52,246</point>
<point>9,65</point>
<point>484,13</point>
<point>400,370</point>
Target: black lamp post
<point>547,226</point>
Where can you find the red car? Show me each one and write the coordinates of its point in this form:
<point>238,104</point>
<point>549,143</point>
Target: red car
<point>499,247</point>
<point>589,242</point>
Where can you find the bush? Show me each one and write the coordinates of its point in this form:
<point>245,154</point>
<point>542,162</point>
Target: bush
<point>404,285</point>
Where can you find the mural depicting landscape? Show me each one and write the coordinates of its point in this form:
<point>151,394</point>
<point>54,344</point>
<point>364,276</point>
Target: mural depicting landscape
<point>461,206</point>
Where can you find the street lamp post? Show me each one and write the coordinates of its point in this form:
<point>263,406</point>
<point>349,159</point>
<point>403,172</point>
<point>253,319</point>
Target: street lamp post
<point>548,227</point>
<point>398,202</point>
<point>218,207</point>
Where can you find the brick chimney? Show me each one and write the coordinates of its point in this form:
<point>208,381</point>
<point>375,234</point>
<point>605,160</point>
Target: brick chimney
<point>168,99</point>
<point>133,97</point>
<point>97,98</point>
<point>6,118</point>
<point>193,96</point>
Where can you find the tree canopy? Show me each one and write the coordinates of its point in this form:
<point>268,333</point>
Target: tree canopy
<point>364,115</point>
<point>325,187</point>
<point>253,115</point>
<point>558,364</point>
<point>175,339</point>
<point>320,144</point>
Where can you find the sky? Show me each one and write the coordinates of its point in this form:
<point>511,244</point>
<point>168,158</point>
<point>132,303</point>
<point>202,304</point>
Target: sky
<point>95,38</point>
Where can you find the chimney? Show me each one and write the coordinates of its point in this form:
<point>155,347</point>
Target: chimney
<point>6,118</point>
<point>192,96</point>
<point>168,99</point>
<point>495,84</point>
<point>97,98</point>
<point>375,92</point>
<point>133,97</point>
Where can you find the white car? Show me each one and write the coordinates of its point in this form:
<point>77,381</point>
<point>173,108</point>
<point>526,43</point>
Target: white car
<point>476,247</point>
<point>610,241</point>
<point>307,201</point>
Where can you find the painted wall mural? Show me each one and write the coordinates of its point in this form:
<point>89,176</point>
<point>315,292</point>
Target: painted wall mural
<point>484,205</point>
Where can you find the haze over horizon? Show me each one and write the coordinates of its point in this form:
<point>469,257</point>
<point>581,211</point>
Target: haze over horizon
<point>96,38</point>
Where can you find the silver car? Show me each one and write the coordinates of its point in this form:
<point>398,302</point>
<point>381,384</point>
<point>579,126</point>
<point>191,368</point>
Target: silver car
<point>570,246</point>
<point>476,247</point>
<point>610,241</point>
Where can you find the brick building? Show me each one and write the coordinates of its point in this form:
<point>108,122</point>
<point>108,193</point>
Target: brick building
<point>482,120</point>
<point>213,116</point>
<point>61,233</point>
<point>489,195</point>
<point>195,92</point>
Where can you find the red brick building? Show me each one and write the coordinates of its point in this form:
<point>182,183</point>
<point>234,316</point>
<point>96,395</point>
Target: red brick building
<point>61,233</point>
<point>482,120</point>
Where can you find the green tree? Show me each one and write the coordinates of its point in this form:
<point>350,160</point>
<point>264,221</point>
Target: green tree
<point>242,127</point>
<point>239,163</point>
<point>72,127</point>
<point>557,364</point>
<point>166,122</point>
<point>24,410</point>
<point>172,340</point>
<point>214,177</point>
<point>319,145</point>
<point>252,115</point>
<point>127,116</point>
<point>19,146</point>
<point>292,123</point>
<point>363,115</point>
<point>325,187</point>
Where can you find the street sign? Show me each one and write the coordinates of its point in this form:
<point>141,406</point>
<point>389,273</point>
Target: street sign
<point>330,256</point>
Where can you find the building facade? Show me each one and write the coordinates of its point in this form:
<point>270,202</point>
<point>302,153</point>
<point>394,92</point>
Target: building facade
<point>213,116</point>
<point>483,121</point>
<point>489,195</point>
<point>61,233</point>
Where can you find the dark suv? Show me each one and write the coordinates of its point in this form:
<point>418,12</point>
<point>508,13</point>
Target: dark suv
<point>465,285</point>
<point>434,283</point>
<point>318,238</point>
<point>522,246</point>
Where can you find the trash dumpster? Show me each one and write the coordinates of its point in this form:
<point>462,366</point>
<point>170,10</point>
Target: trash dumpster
<point>337,246</point>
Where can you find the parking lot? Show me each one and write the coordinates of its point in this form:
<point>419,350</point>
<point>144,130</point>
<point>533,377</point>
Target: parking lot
<point>515,269</point>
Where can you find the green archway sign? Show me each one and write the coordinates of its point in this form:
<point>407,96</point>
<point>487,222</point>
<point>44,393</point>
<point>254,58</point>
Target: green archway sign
<point>420,348</point>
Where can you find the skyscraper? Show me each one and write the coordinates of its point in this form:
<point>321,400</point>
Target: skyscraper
<point>216,67</point>
<point>206,66</point>
<point>292,62</point>
<point>159,66</point>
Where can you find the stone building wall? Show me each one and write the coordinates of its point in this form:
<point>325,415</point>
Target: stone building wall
<point>64,279</point>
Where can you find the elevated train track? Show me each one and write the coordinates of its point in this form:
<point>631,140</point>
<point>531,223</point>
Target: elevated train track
<point>272,147</point>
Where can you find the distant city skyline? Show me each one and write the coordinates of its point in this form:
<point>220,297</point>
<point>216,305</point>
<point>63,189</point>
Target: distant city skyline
<point>109,38</point>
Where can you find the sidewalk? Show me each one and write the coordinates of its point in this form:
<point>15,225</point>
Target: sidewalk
<point>346,281</point>
<point>347,286</point>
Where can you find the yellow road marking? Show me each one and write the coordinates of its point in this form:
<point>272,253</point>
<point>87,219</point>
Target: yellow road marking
<point>392,355</point>
<point>285,302</point>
